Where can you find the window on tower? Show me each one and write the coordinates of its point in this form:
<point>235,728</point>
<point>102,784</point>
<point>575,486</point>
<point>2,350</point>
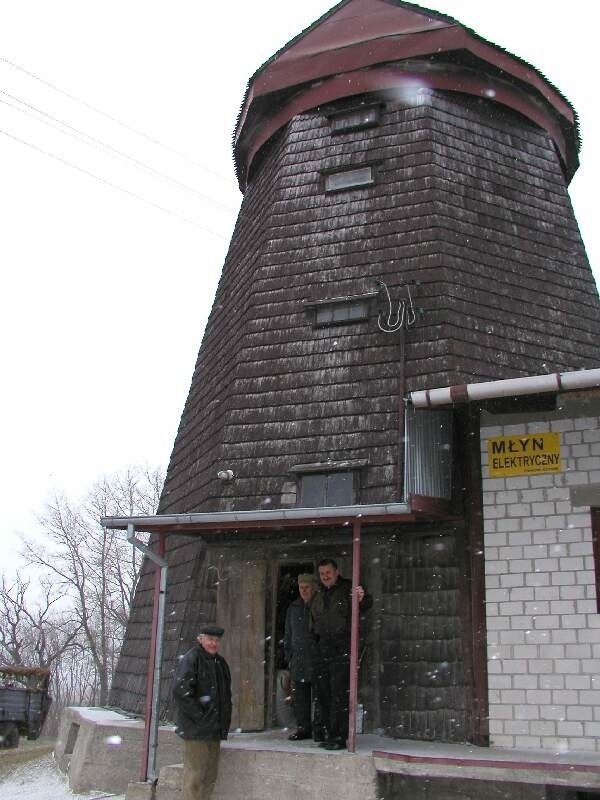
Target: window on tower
<point>353,119</point>
<point>329,483</point>
<point>341,310</point>
<point>349,178</point>
<point>327,489</point>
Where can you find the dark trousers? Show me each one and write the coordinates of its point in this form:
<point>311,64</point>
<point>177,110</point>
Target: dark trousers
<point>331,683</point>
<point>302,702</point>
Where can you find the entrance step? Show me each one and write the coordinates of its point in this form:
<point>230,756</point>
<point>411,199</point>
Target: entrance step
<point>246,774</point>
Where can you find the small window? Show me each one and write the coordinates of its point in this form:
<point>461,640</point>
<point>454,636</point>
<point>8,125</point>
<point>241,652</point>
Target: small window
<point>349,178</point>
<point>355,119</point>
<point>342,312</point>
<point>322,489</point>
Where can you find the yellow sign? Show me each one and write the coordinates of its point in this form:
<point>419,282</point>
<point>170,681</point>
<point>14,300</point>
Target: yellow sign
<point>523,454</point>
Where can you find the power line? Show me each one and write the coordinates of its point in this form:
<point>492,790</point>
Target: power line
<point>103,146</point>
<point>112,185</point>
<point>117,121</point>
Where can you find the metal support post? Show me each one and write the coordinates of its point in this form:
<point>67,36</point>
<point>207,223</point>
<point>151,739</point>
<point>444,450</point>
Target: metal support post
<point>150,743</point>
<point>354,636</point>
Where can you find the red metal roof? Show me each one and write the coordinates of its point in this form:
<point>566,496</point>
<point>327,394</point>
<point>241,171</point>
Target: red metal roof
<point>357,37</point>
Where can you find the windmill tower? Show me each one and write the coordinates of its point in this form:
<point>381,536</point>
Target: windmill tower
<point>405,224</point>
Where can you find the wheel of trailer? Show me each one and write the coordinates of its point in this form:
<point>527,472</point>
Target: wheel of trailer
<point>33,733</point>
<point>9,735</point>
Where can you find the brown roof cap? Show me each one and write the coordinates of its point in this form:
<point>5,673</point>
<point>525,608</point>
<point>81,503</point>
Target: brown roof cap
<point>360,34</point>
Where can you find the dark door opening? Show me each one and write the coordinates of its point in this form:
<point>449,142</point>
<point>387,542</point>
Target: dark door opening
<point>284,592</point>
<point>287,592</point>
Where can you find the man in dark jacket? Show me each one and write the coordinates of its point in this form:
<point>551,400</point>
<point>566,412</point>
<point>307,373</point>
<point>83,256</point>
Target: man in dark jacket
<point>297,651</point>
<point>202,694</point>
<point>331,617</point>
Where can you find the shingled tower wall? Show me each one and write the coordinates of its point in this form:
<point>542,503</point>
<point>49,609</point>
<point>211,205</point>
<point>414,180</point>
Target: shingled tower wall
<point>470,156</point>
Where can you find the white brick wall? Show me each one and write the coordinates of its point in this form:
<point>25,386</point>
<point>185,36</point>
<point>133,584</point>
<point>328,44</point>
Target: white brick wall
<point>543,626</point>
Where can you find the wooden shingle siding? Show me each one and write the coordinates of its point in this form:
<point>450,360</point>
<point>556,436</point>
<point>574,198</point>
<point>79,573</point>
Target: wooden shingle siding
<point>424,686</point>
<point>469,208</point>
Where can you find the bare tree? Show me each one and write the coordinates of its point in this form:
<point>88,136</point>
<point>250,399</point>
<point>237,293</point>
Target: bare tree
<point>37,629</point>
<point>34,631</point>
<point>94,567</point>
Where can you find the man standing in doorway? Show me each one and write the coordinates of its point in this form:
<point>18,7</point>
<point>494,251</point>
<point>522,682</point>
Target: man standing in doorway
<point>202,694</point>
<point>331,617</point>
<point>297,650</point>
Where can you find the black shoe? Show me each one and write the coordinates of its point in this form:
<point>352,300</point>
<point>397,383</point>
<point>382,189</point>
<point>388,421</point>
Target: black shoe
<point>333,745</point>
<point>299,735</point>
<point>319,737</point>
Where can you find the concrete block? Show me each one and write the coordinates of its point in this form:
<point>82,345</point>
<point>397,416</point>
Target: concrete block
<point>522,593</point>
<point>100,750</point>
<point>571,593</point>
<point>537,637</point>
<point>537,551</point>
<point>259,772</point>
<point>512,581</point>
<point>537,579</point>
<point>573,438</point>
<point>547,593</point>
<point>140,791</point>
<point>544,481</point>
<point>525,681</point>
<point>566,697</point>
<point>523,482</point>
<point>519,510</point>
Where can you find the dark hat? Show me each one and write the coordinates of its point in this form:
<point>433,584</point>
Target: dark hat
<point>211,630</point>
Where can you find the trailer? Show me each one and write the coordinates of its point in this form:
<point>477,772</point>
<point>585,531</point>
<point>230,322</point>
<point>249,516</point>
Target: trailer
<point>24,703</point>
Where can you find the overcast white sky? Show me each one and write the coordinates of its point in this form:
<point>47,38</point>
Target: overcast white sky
<point>105,296</point>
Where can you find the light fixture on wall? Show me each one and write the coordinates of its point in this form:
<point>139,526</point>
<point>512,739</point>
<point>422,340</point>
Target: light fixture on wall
<point>225,475</point>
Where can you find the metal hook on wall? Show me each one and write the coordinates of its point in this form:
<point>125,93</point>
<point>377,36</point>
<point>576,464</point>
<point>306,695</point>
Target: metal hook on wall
<point>404,315</point>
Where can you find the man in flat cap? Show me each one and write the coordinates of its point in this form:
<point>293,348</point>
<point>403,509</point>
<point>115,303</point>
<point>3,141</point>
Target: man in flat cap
<point>202,694</point>
<point>297,644</point>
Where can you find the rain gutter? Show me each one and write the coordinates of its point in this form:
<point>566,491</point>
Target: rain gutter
<point>221,520</point>
<point>150,743</point>
<point>535,384</point>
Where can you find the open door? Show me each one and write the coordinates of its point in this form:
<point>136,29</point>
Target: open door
<point>241,599</point>
<point>284,590</point>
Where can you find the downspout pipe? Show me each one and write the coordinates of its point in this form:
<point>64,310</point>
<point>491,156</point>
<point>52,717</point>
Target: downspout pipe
<point>535,384</point>
<point>354,634</point>
<point>150,743</point>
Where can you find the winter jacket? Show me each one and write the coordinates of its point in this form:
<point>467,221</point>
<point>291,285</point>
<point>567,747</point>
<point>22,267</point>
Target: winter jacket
<point>296,640</point>
<point>331,612</point>
<point>202,695</point>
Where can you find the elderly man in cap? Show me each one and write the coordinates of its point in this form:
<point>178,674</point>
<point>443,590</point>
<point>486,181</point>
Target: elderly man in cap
<point>202,694</point>
<point>297,644</point>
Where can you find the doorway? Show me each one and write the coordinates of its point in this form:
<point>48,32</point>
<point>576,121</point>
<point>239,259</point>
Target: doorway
<point>284,591</point>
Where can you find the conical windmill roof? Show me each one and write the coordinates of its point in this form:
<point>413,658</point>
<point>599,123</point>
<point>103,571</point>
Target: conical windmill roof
<point>347,50</point>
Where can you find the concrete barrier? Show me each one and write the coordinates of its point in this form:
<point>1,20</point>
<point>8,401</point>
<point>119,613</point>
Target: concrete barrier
<point>246,774</point>
<point>101,750</point>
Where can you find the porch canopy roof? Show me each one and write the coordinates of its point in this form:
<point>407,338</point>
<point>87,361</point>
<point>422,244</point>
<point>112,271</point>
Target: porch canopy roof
<point>354,517</point>
<point>419,508</point>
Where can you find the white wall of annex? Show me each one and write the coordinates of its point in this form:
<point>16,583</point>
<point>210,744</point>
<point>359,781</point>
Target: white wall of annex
<point>542,621</point>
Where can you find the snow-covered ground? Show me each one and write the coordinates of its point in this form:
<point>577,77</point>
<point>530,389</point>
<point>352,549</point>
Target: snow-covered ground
<point>40,779</point>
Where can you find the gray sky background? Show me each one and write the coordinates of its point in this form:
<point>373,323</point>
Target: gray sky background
<point>104,294</point>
